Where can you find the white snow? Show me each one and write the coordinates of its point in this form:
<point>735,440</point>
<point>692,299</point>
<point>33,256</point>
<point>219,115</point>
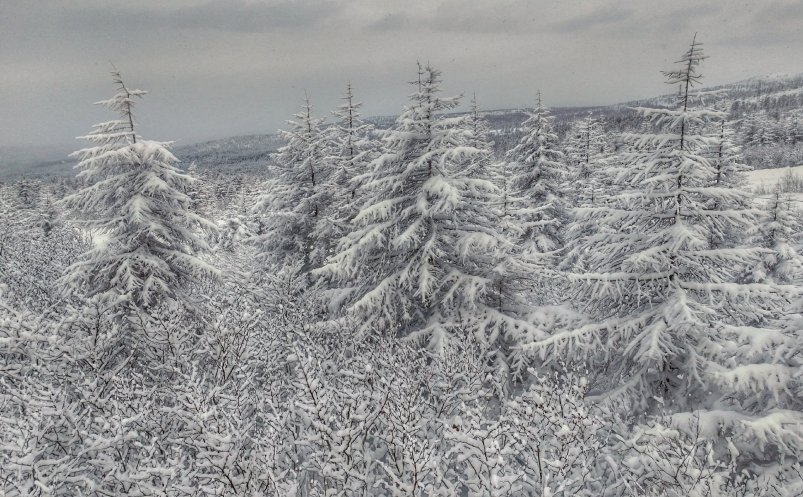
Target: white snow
<point>768,178</point>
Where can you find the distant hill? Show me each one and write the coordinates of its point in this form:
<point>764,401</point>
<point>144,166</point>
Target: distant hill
<point>36,161</point>
<point>774,102</point>
<point>235,154</point>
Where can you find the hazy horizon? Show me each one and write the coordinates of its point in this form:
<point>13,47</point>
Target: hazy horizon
<point>222,69</point>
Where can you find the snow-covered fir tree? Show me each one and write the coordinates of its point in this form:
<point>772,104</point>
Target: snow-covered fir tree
<point>726,159</point>
<point>779,231</point>
<point>726,156</point>
<point>350,149</point>
<point>135,200</point>
<point>423,256</point>
<point>585,150</point>
<point>671,328</point>
<point>537,170</point>
<point>484,166</point>
<point>534,207</point>
<point>298,197</point>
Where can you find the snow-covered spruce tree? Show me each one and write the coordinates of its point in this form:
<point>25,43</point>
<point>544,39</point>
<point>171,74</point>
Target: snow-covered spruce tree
<point>513,271</point>
<point>28,193</point>
<point>586,153</point>
<point>537,168</point>
<point>671,329</point>
<point>135,198</point>
<point>199,190</point>
<point>484,167</point>
<point>349,151</point>
<point>779,231</point>
<point>750,129</point>
<point>236,222</point>
<point>536,201</point>
<point>590,181</point>
<point>298,198</point>
<point>726,156</point>
<point>142,273</point>
<point>421,259</point>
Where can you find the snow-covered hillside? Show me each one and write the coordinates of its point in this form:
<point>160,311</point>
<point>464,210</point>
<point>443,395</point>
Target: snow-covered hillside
<point>766,179</point>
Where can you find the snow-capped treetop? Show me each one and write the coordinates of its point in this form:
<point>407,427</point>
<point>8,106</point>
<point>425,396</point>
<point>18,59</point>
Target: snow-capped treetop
<point>687,75</point>
<point>122,103</point>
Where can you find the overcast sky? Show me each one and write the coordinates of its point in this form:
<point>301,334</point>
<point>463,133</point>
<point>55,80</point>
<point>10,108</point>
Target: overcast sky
<point>223,68</point>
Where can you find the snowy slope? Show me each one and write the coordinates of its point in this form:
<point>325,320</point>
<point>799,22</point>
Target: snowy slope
<point>766,179</point>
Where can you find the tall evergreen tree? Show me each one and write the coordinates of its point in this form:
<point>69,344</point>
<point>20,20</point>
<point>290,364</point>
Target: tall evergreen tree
<point>481,140</point>
<point>671,329</point>
<point>298,198</point>
<point>136,200</point>
<point>586,152</point>
<point>537,168</point>
<point>535,205</point>
<point>350,150</point>
<point>423,257</point>
<point>726,156</point>
<point>779,231</point>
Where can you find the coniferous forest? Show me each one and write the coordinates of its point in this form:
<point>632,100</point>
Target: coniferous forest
<point>597,305</point>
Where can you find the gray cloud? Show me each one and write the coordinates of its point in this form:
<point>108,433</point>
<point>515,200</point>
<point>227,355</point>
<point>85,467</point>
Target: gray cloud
<point>391,22</point>
<point>781,11</point>
<point>225,67</point>
<point>231,16</point>
<point>460,16</point>
<point>601,16</point>
<point>770,24</point>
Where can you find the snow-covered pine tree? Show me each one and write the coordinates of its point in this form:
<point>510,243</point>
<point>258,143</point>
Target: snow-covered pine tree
<point>757,129</point>
<point>537,168</point>
<point>513,270</point>
<point>135,199</point>
<point>350,149</point>
<point>794,130</point>
<point>484,166</point>
<point>422,259</point>
<point>298,198</point>
<point>726,157</point>
<point>671,329</point>
<point>586,153</point>
<point>779,232</point>
<point>534,213</point>
<point>143,272</point>
<point>199,189</point>
<point>749,128</point>
<point>28,193</point>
